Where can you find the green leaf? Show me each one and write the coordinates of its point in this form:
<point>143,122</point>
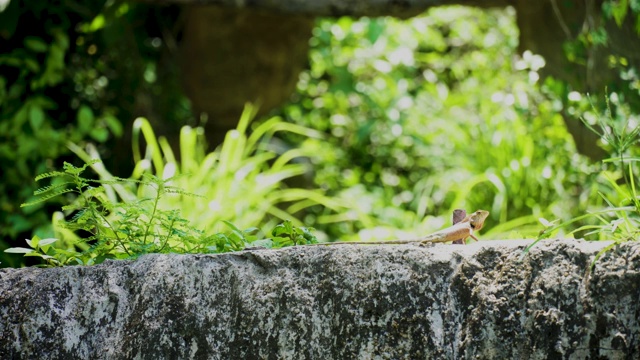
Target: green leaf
<point>32,65</point>
<point>34,242</point>
<point>50,175</point>
<point>36,117</point>
<point>85,119</point>
<point>35,44</point>
<point>31,242</point>
<point>251,231</point>
<point>266,243</point>
<point>114,125</point>
<point>233,227</point>
<point>236,237</point>
<point>619,11</point>
<point>375,29</point>
<point>285,228</point>
<point>97,23</point>
<point>279,230</point>
<point>19,250</point>
<point>11,61</point>
<point>99,134</point>
<point>47,197</point>
<point>47,241</point>
<point>307,234</point>
<point>48,189</point>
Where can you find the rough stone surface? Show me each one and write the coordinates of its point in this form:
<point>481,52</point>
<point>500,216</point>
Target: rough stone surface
<point>477,301</point>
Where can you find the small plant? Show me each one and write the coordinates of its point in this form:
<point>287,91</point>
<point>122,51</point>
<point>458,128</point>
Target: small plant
<point>111,230</point>
<point>619,220</point>
<point>236,239</point>
<point>104,229</point>
<point>283,234</point>
<point>286,234</point>
<point>43,249</point>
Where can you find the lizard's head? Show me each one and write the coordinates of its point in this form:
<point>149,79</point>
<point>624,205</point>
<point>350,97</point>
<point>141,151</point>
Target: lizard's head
<point>476,220</point>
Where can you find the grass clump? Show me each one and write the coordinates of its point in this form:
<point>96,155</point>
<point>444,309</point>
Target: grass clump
<point>239,185</point>
<point>619,218</point>
<point>244,181</point>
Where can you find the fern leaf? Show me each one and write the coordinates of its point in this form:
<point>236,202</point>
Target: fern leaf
<point>93,191</point>
<point>72,207</point>
<point>80,215</point>
<point>50,174</point>
<point>117,181</point>
<point>175,190</point>
<point>47,189</point>
<point>76,171</point>
<point>46,197</point>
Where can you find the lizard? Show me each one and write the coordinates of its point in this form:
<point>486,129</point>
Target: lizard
<point>458,216</point>
<point>457,232</point>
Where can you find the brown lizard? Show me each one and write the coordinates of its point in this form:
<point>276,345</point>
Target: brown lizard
<point>459,231</point>
<point>458,216</point>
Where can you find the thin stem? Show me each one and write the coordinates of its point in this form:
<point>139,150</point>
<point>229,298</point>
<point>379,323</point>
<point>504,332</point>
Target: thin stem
<point>153,213</point>
<point>166,239</point>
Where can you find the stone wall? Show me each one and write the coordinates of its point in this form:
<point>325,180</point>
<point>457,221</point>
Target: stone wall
<point>479,301</point>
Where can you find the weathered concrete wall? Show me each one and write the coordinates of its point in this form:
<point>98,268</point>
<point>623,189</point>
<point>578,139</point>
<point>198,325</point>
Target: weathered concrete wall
<point>345,302</point>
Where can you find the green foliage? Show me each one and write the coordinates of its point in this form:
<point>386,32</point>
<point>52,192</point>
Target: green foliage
<point>38,113</point>
<point>239,184</point>
<point>619,218</point>
<point>128,229</point>
<point>287,234</point>
<point>116,231</point>
<point>43,249</point>
<point>283,234</point>
<point>597,36</point>
<point>401,120</point>
<point>618,11</point>
<point>428,115</point>
<point>243,181</point>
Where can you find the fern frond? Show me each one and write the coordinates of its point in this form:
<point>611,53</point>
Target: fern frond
<point>47,189</point>
<point>76,205</point>
<point>142,200</point>
<point>175,190</point>
<point>46,197</point>
<point>80,215</point>
<point>104,201</point>
<point>85,240</point>
<point>50,175</point>
<point>116,181</point>
<point>177,177</point>
<point>73,170</point>
<point>93,191</point>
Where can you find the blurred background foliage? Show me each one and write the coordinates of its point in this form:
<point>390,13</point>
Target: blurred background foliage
<point>435,113</point>
<point>72,72</point>
<point>404,121</point>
